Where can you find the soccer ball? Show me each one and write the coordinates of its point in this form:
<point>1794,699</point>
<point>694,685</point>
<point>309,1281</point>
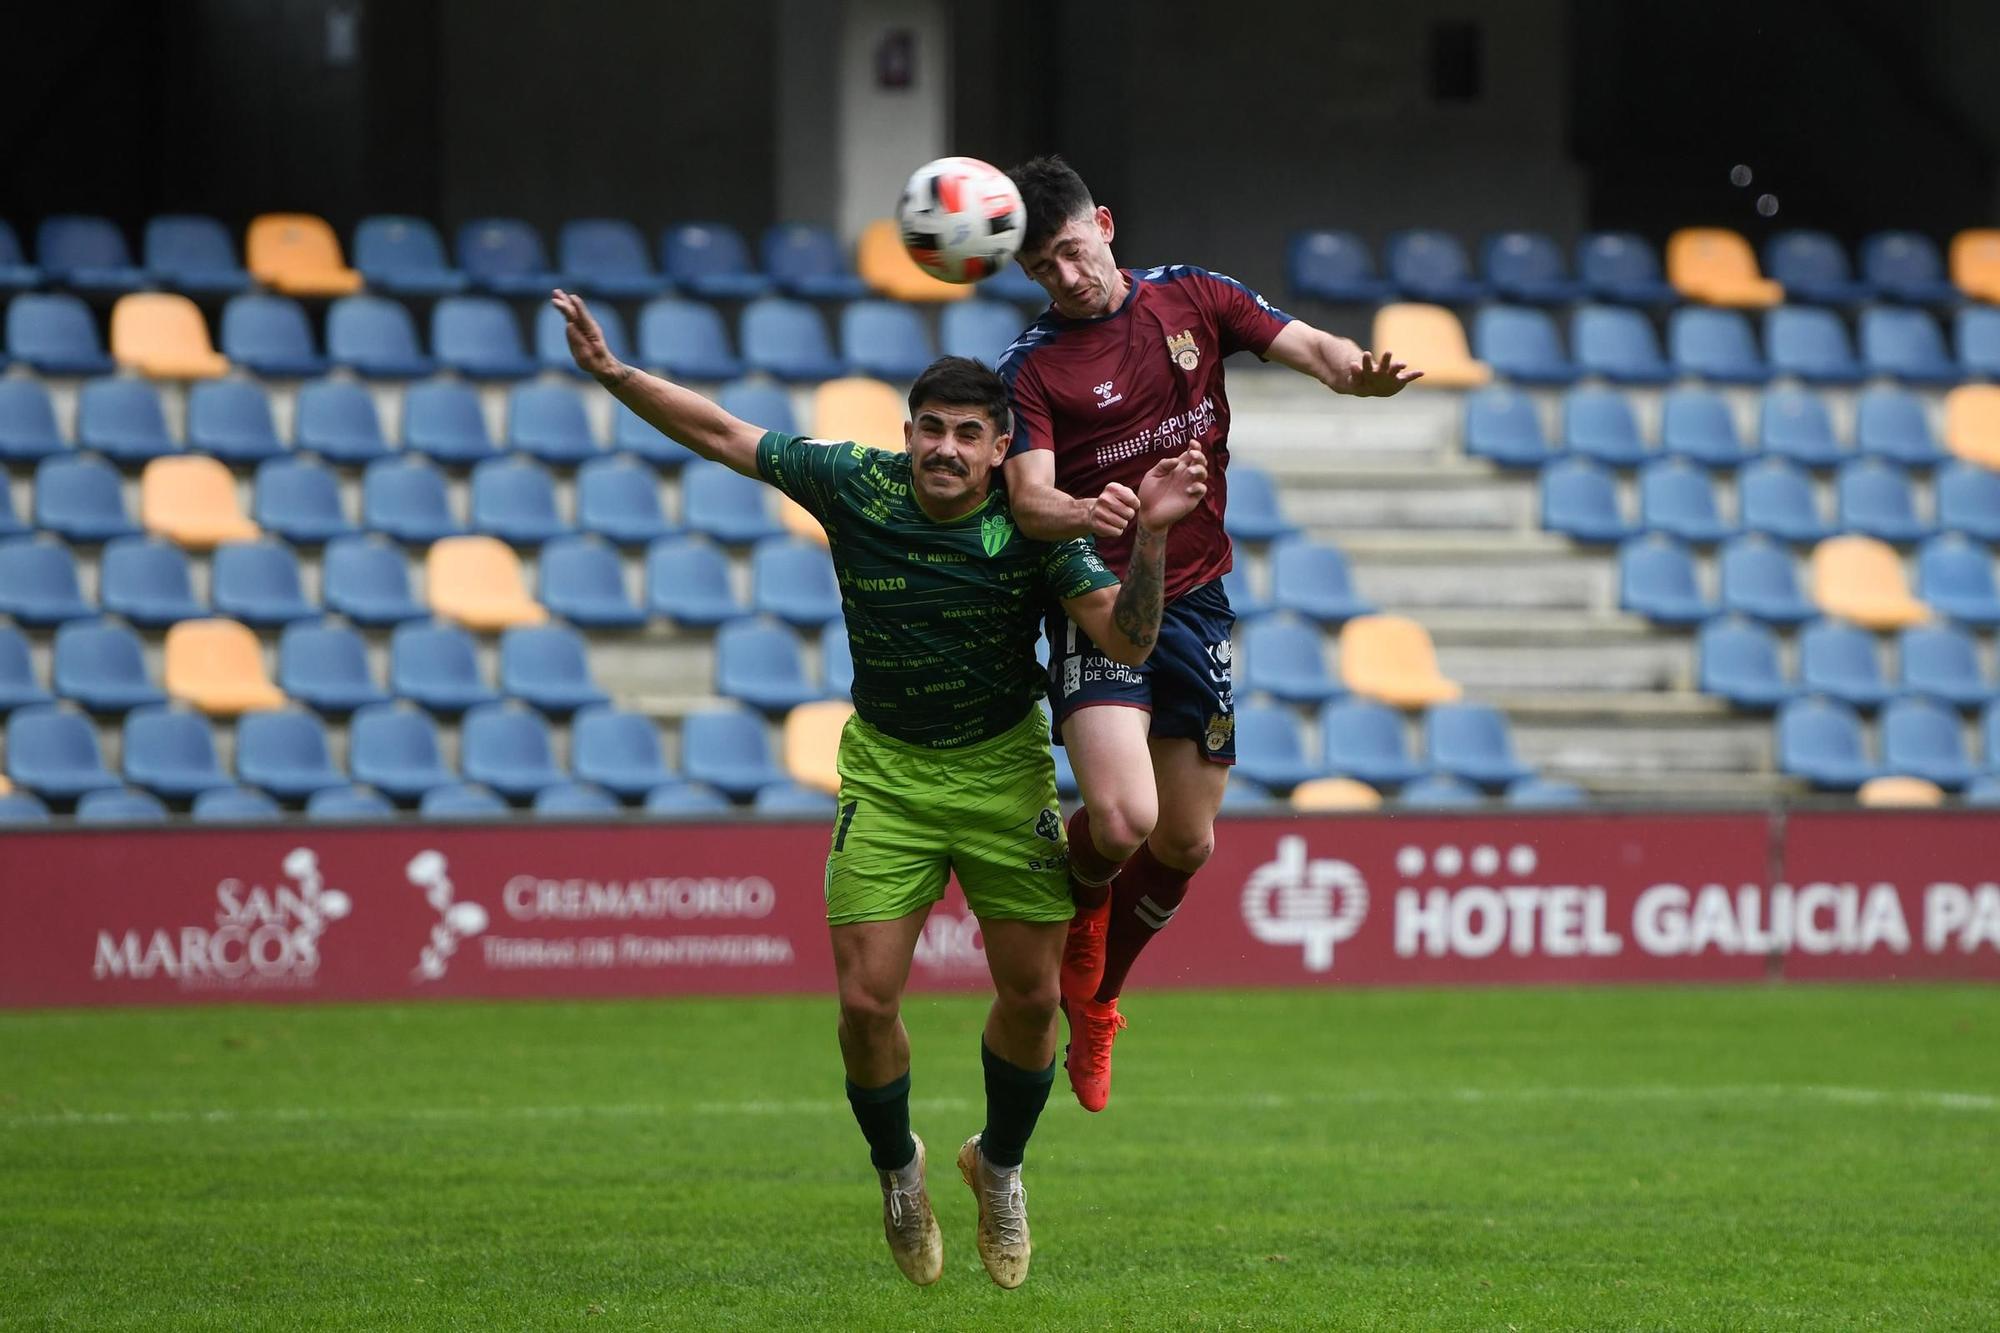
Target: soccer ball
<point>961,219</point>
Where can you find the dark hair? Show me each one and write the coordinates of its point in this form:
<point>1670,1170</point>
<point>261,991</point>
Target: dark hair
<point>1053,193</point>
<point>959,381</point>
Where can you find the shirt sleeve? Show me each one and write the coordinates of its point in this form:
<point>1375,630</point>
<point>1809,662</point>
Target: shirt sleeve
<point>810,471</point>
<point>1029,402</point>
<point>1244,320</point>
<point>1073,568</point>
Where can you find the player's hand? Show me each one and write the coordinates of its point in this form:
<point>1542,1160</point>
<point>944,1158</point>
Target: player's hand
<point>1113,511</point>
<point>1378,376</point>
<point>586,340</point>
<point>1173,489</point>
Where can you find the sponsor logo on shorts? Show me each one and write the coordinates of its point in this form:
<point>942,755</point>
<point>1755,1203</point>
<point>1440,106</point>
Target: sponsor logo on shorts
<point>1072,675</point>
<point>1184,350</point>
<point>1221,726</point>
<point>1048,825</point>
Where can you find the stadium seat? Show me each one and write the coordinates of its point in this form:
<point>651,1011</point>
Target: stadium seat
<point>1066,786</point>
<point>1905,266</point>
<point>514,499</point>
<point>1811,344</point>
<point>763,665</point>
<point>375,337</point>
<point>505,256</point>
<point>325,667</point>
<point>404,255</point>
<point>547,421</point>
<point>836,661</point>
<point>552,339</point>
<point>38,583</point>
<point>1471,741</point>
<point>509,748</point>
<point>1326,795</point>
<point>189,252</point>
<point>1906,344</point>
<point>100,666</point>
<point>1245,600</point>
<point>1715,345</point>
<point>298,254</point>
<point>793,799</point>
<point>437,666</point>
<point>299,500</point>
<point>711,260</point>
<point>269,336</point>
<point>395,748</point>
<point>1843,662</point>
<point>20,687</point>
<point>1938,661</point>
<point>80,499</point>
<point>812,743</point>
<point>607,257</point>
<point>1430,337</point>
<point>1955,578</point>
<point>730,750</point>
<point>87,254</point>
<point>1821,740</point>
<point>1972,424</point>
<point>1618,344</point>
<point>1502,425</point>
<point>1989,730</point>
<point>1254,513</point>
<point>1677,498</point>
<point>793,581</point>
<point>1968,500</point>
<point>21,807</point>
<point>1896,792</point>
<point>687,580</point>
<point>680,797</point>
<point>1390,658</point>
<point>1580,500</point>
<point>619,751</point>
<point>10,518</point>
<point>574,800</point>
<point>980,329</point>
<point>478,337</point>
<point>1794,424</point>
<point>54,333</point>
<point>1439,791</point>
<point>1521,343</point>
<point>1426,265</point>
<point>1975,263</point>
<point>1334,266</point>
<point>1534,793</point>
<point>16,274</point>
<point>1812,266</point>
<point>1528,266</point>
<point>476,581</point>
<point>583,582</point>
<point>1983,792</point>
<point>1013,285</point>
<point>235,805</point>
<point>548,667</point>
<point>687,340</point>
<point>889,271</point>
<point>1860,579</point>
<point>1716,265</point>
<point>1759,580</point>
<point>1739,661</point>
<point>1285,659</point>
<point>618,498</point>
<point>286,753</point>
<point>1874,498</point>
<point>856,408</point>
<point>120,805</point>
<point>1892,424</point>
<point>788,340</point>
<point>259,583</point>
<point>885,339</point>
<point>1977,336</point>
<point>123,420</point>
<point>162,335</point>
<point>461,800</point>
<point>630,433</point>
<point>1599,425</point>
<point>231,420</point>
<point>1315,581</point>
<point>1923,738</point>
<point>1243,794</point>
<point>408,499</point>
<point>1775,497</point>
<point>1271,749</point>
<point>349,802</point>
<point>442,419</point>
<point>28,430</point>
<point>171,752</point>
<point>726,505</point>
<point>808,262</point>
<point>147,582</point>
<point>1657,579</point>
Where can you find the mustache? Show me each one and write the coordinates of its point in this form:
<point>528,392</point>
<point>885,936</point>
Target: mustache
<point>951,465</point>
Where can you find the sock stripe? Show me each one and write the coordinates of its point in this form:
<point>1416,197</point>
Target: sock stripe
<point>1153,914</point>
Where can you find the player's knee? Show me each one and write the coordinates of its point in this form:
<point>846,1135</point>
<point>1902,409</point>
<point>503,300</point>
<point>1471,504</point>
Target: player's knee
<point>1032,1004</point>
<point>1185,850</point>
<point>1120,826</point>
<point>867,1012</point>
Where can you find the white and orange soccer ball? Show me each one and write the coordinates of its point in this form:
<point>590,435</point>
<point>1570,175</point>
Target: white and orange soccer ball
<point>961,219</point>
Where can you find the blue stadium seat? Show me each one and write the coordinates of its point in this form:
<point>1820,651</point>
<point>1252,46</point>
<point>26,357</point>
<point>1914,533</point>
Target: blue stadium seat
<point>1696,424</point>
<point>1620,266</point>
<point>979,329</point>
<point>325,667</point>
<point>407,499</point>
<point>21,807</point>
<point>574,800</point>
<point>711,260</point>
<point>885,339</point>
<point>788,340</point>
<point>437,665</point>
<point>1430,265</point>
<point>1821,740</point>
<point>1502,425</point>
<point>552,342</point>
<point>171,752</point>
<point>268,336</point>
<point>1545,794</point>
<point>1440,791</point>
<point>1580,500</point>
<point>1599,425</point>
<point>1874,497</point>
<point>19,686</point>
<point>809,262</point>
<point>38,583</point>
<point>1285,659</point>
<point>583,582</point>
<point>687,580</point>
<point>54,333</point>
<point>619,751</point>
<point>395,748</point>
<point>404,255</point>
<point>793,580</point>
<point>619,498</point>
<point>1955,577</point>
<point>548,666</point>
<point>1968,500</point>
<point>1314,581</point>
<point>514,499</point>
<point>1271,747</point>
<point>235,805</point>
<point>148,582</point>
<point>478,337</point>
<point>120,805</point>
<point>374,336</point>
<point>10,518</point>
<point>509,748</point>
<point>547,421</point>
<point>16,274</point>
<point>349,802</point>
<point>836,660</point>
<point>123,420</point>
<point>506,256</point>
<point>1521,343</point>
<point>1619,344</point>
<point>1254,513</point>
<point>100,666</point>
<point>607,257</point>
<point>730,750</point>
<point>28,430</point>
<point>337,420</point>
<point>1906,266</point>
<point>442,420</point>
<point>286,753</point>
<point>299,500</point>
<point>1677,498</point>
<point>793,798</point>
<point>1244,598</point>
<point>1471,741</point>
<point>1759,580</point>
<point>1012,284</point>
<point>1714,344</point>
<point>1657,579</point>
<point>1528,266</point>
<point>366,580</point>
<point>686,340</point>
<point>630,433</point>
<point>1978,337</point>
<point>1812,266</point>
<point>1794,424</point>
<point>1924,739</point>
<point>681,797</point>
<point>1775,497</point>
<point>1983,791</point>
<point>1811,344</point>
<point>1989,730</point>
<point>1891,423</point>
<point>1942,662</point>
<point>1843,662</point>
<point>1905,343</point>
<point>1243,794</point>
<point>87,254</point>
<point>192,253</point>
<point>1362,739</point>
<point>1334,266</point>
<point>81,499</point>
<point>762,665</point>
<point>1066,786</point>
<point>726,505</point>
<point>462,800</point>
<point>1739,661</point>
<point>258,583</point>
<point>758,402</point>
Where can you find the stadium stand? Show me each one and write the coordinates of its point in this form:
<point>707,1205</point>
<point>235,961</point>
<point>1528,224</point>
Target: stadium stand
<point>325,667</point>
<point>478,337</point>
<point>87,254</point>
<point>686,340</point>
<point>607,257</point>
<point>1528,266</point>
<point>269,336</point>
<point>886,339</point>
<point>395,748</point>
<point>348,802</point>
<point>1906,344</point>
<point>285,752</point>
<point>728,749</point>
<point>711,260</point>
<point>231,420</point>
<point>53,333</point>
<point>807,261</point>
<point>1715,345</point>
<point>1431,266</point>
<point>548,667</point>
<point>259,583</point>
<point>582,581</point>
<point>28,429</point>
<point>1794,423</point>
<point>300,501</point>
<point>81,498</point>
<point>1502,426</point>
<point>437,666</point>
<point>1334,266</point>
<point>1521,343</point>
<point>461,800</point>
<point>171,753</point>
<point>375,337</point>
<point>20,687</point>
<point>442,420</point>
<point>101,667</point>
<point>124,420</point>
<point>1812,266</point>
<point>236,805</point>
<point>618,750</point>
<point>1580,500</point>
<point>39,583</point>
<point>788,340</point>
<point>1618,344</point>
<point>404,256</point>
<point>192,253</point>
<point>505,256</point>
<point>508,748</point>
<point>148,582</point>
<point>547,422</point>
<point>1810,344</point>
<point>120,805</point>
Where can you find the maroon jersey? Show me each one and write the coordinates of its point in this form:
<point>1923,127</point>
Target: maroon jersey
<point>1113,395</point>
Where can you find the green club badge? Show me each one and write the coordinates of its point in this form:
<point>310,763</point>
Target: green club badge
<point>995,531</point>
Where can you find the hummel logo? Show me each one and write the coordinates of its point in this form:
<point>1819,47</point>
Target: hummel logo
<point>1106,394</point>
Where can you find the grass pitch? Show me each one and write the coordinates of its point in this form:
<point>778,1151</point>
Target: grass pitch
<point>1796,1158</point>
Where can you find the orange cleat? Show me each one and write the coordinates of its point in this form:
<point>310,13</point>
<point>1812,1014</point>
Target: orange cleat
<point>1083,953</point>
<point>1093,1027</point>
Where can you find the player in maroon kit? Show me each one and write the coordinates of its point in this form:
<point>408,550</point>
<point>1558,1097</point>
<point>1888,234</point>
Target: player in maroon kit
<point>1123,369</point>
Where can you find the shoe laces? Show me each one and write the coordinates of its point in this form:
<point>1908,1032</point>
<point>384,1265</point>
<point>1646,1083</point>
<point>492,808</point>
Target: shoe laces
<point>1102,1032</point>
<point>904,1212</point>
<point>1007,1206</point>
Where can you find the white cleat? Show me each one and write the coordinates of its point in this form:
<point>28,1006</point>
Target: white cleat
<point>907,1221</point>
<point>1003,1215</point>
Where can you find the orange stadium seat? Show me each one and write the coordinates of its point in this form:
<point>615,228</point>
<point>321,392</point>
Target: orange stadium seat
<point>1861,579</point>
<point>812,742</point>
<point>856,408</point>
<point>1975,263</point>
<point>1896,791</point>
<point>298,254</point>
<point>1972,424</point>
<point>1716,265</point>
<point>886,268</point>
<point>1391,658</point>
<point>218,667</point>
<point>1335,794</point>
<point>162,335</point>
<point>191,500</point>
<point>477,582</point>
<point>1429,338</point>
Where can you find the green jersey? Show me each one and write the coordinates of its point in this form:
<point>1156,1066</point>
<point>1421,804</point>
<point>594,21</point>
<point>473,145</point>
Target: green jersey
<point>942,618</point>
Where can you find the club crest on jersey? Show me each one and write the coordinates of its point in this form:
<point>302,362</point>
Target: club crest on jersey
<point>1184,350</point>
<point>1048,826</point>
<point>995,531</point>
<point>1221,726</point>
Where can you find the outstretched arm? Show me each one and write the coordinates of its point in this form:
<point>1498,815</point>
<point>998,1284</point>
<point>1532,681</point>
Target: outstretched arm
<point>1050,515</point>
<point>1124,621</point>
<point>665,406</point>
<point>1339,363</point>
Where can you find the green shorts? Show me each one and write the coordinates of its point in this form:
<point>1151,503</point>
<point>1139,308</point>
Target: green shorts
<point>909,817</point>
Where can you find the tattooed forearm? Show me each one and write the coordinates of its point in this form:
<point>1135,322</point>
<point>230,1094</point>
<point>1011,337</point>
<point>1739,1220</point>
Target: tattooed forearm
<point>1137,610</point>
<point>611,379</point>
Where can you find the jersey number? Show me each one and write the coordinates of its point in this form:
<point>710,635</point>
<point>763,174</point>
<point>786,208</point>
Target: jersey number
<point>840,831</point>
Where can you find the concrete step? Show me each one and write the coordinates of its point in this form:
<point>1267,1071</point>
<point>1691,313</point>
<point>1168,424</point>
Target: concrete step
<point>1628,666</point>
<point>1711,789</point>
<point>1648,708</point>
<point>1689,754</point>
<point>1518,581</point>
